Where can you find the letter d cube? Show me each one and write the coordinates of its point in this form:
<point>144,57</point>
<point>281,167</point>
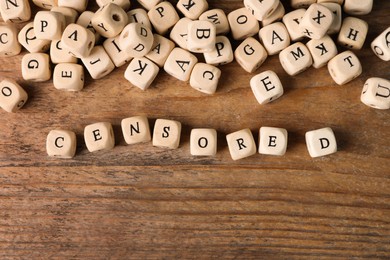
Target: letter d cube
<point>321,142</point>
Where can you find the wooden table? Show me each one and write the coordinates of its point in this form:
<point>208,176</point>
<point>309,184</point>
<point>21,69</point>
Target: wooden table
<point>139,201</point>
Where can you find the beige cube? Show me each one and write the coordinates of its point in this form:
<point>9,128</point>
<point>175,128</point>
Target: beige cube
<point>376,93</point>
<point>266,87</point>
<point>109,20</point>
<point>163,17</point>
<point>261,9</point>
<point>124,4</point>
<point>45,4</point>
<point>241,144</point>
<point>296,4</point>
<point>136,129</point>
<point>205,77</point>
<point>274,37</point>
<point>70,14</point>
<point>322,50</point>
<point>203,142</point>
<point>192,8</point>
<point>201,36</point>
<point>180,63</point>
<point>117,55</point>
<point>78,5</point>
<point>353,33</point>
<point>36,67</point>
<point>316,21</point>
<point>141,72</point>
<point>381,45</point>
<point>139,15</point>
<point>136,39</point>
<point>78,40</point>
<point>149,4</point>
<point>221,54</point>
<point>218,18</point>
<point>292,20</point>
<point>68,76</point>
<point>161,49</point>
<point>99,136</point>
<point>295,59</point>
<point>9,45</point>
<point>61,143</point>
<point>12,95</point>
<point>166,133</point>
<point>272,140</point>
<point>344,67</point>
<point>250,54</point>
<point>358,7</point>
<point>15,11</point>
<point>242,24</point>
<point>60,55</point>
<point>340,2</point>
<point>321,142</point>
<point>337,17</point>
<point>28,40</point>
<point>49,25</point>
<point>85,20</point>
<point>98,63</point>
<point>275,16</point>
<point>179,33</point>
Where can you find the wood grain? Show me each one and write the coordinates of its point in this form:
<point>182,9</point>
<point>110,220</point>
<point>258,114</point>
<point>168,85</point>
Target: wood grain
<point>142,202</point>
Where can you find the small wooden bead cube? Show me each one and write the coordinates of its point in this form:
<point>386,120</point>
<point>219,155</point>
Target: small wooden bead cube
<point>85,21</point>
<point>78,5</point>
<point>321,142</point>
<point>376,93</point>
<point>222,53</point>
<point>358,7</point>
<point>353,33</point>
<point>250,54</point>
<point>201,36</point>
<point>179,33</point>
<point>296,4</point>
<point>28,40</point>
<point>241,144</point>
<point>205,77</point>
<point>322,50</point>
<point>109,20</point>
<point>136,129</point>
<point>61,143</point>
<point>161,49</point>
<point>274,37</point>
<point>340,2</point>
<point>60,55</point>
<point>292,20</point>
<point>117,55</point>
<point>163,17</point>
<point>218,18</point>
<point>275,16</point>
<point>69,14</point>
<point>98,63</point>
<point>15,11</point>
<point>45,4</point>
<point>180,63</point>
<point>99,136</point>
<point>141,72</point>
<point>266,87</point>
<point>261,9</point>
<point>12,95</point>
<point>381,45</point>
<point>203,142</point>
<point>68,76</point>
<point>337,17</point>
<point>36,67</point>
<point>136,39</point>
<point>344,67</point>
<point>242,24</point>
<point>192,8</point>
<point>295,59</point>
<point>49,25</point>
<point>9,45</point>
<point>272,140</point>
<point>316,21</point>
<point>78,40</point>
<point>124,4</point>
<point>166,133</point>
<point>149,4</point>
<point>139,15</point>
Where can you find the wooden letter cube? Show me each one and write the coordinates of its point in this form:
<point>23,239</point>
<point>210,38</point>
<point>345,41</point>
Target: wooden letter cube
<point>316,21</point>
<point>222,52</point>
<point>180,63</point>
<point>161,49</point>
<point>68,76</point>
<point>15,11</point>
<point>301,3</point>
<point>139,15</point>
<point>344,67</point>
<point>163,17</point>
<point>49,25</point>
<point>261,9</point>
<point>322,50</point>
<point>136,130</point>
<point>337,17</point>
<point>295,59</point>
<point>250,54</point>
<point>78,5</point>
<point>28,40</point>
<point>203,142</point>
<point>275,16</point>
<point>179,33</point>
<point>353,33</point>
<point>99,136</point>
<point>141,72</point>
<point>241,144</point>
<point>266,87</point>
<point>358,7</point>
<point>192,8</point>
<point>9,45</point>
<point>376,93</point>
<point>98,63</point>
<point>292,20</point>
<point>272,140</point>
<point>109,20</point>
<point>36,67</point>
<point>205,77</point>
<point>166,133</point>
<point>321,142</point>
<point>85,21</point>
<point>69,14</point>
<point>381,45</point>
<point>149,4</point>
<point>124,4</point>
<point>45,4</point>
<point>78,40</point>
<point>61,143</point>
<point>60,55</point>
<point>201,36</point>
<point>274,37</point>
<point>218,18</point>
<point>117,55</point>
<point>12,95</point>
<point>242,24</point>
<point>136,39</point>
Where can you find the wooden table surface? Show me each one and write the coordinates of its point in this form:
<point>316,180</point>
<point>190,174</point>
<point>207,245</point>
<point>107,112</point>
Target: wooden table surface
<point>139,201</point>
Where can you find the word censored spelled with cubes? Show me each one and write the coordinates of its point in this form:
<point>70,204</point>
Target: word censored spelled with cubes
<point>12,95</point>
<point>61,143</point>
<point>376,93</point>
<point>321,142</point>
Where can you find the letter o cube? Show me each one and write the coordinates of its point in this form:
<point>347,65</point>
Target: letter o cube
<point>381,45</point>
<point>203,142</point>
<point>12,95</point>
<point>321,142</point>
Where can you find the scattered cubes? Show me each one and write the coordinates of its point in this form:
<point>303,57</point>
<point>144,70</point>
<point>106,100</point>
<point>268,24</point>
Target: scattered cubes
<point>321,50</point>
<point>250,54</point>
<point>15,11</point>
<point>163,17</point>
<point>261,9</point>
<point>78,40</point>
<point>192,8</point>
<point>376,93</point>
<point>98,63</point>
<point>222,52</point>
<point>12,95</point>
<point>36,67</point>
<point>109,20</point>
<point>241,144</point>
<point>353,33</point>
<point>242,24</point>
<point>180,63</point>
<point>292,20</point>
<point>61,143</point>
<point>381,45</point>
<point>266,87</point>
<point>316,21</point>
<point>166,133</point>
<point>136,129</point>
<point>99,136</point>
<point>272,141</point>
<point>218,18</point>
<point>344,67</point>
<point>136,40</point>
<point>205,77</point>
<point>203,142</point>
<point>141,72</point>
<point>321,142</point>
<point>295,59</point>
<point>68,76</point>
<point>358,7</point>
<point>161,49</point>
<point>274,37</point>
<point>28,40</point>
<point>9,45</point>
<point>201,36</point>
<point>49,25</point>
